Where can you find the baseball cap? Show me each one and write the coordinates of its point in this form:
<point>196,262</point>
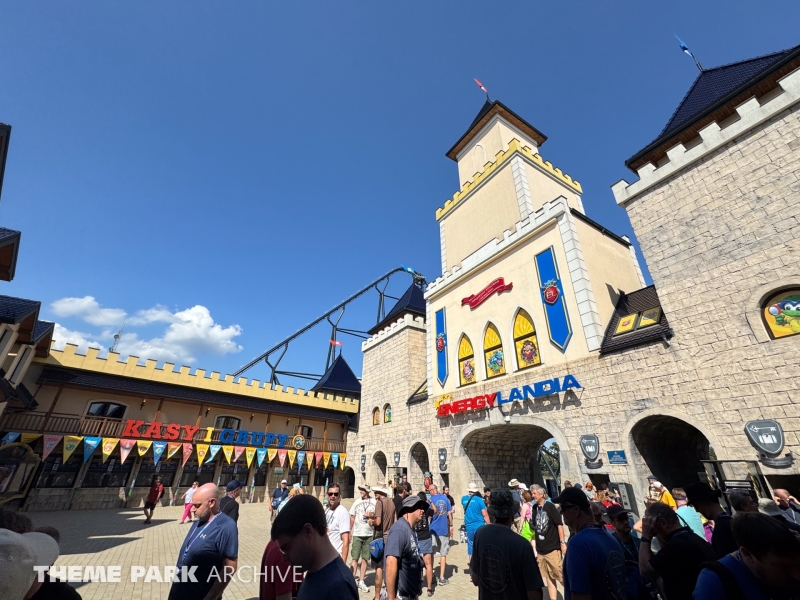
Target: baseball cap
<point>284,481</point>
<point>19,553</point>
<point>233,484</point>
<point>411,503</point>
<point>572,496</point>
<point>616,511</point>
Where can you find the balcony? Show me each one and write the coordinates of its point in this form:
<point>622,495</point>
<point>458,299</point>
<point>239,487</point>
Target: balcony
<point>67,424</point>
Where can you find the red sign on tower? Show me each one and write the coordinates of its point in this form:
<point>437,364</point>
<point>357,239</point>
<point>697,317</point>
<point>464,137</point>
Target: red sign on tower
<point>550,292</point>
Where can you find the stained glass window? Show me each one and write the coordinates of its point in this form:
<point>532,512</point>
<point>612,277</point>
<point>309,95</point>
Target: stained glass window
<point>387,413</point>
<point>376,416</point>
<point>466,361</point>
<point>493,352</point>
<point>525,343</point>
<point>782,313</point>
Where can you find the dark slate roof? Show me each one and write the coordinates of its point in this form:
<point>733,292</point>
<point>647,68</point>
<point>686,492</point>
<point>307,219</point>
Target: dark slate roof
<point>354,421</point>
<point>9,249</point>
<point>635,302</point>
<point>419,395</point>
<point>14,310</point>
<point>412,301</point>
<point>592,223</point>
<point>339,378</point>
<point>7,235</point>
<point>152,389</point>
<point>713,88</point>
<point>42,329</point>
<point>484,114</point>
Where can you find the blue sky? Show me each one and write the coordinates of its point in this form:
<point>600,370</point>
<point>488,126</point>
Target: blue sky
<point>220,173</point>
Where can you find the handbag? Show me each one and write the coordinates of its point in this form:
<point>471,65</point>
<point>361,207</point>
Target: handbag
<point>376,549</point>
<point>527,531</point>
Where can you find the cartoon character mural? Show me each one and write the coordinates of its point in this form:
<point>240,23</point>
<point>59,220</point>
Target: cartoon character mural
<point>782,314</point>
<point>528,353</point>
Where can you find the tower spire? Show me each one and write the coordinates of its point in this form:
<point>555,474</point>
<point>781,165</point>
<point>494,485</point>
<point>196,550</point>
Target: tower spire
<point>686,50</point>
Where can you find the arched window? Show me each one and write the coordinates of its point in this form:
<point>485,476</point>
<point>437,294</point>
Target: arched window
<point>525,343</point>
<point>493,352</point>
<point>466,361</point>
<point>781,313</point>
<point>387,413</point>
<point>376,416</point>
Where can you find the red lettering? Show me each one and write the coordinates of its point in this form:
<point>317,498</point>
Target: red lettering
<point>490,399</point>
<point>132,428</point>
<point>154,431</point>
<point>459,406</point>
<point>189,431</point>
<point>173,431</point>
<point>444,410</point>
<point>480,403</point>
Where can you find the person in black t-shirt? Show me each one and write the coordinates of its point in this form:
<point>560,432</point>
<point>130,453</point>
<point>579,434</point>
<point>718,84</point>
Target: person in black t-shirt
<point>706,501</point>
<point>228,504</point>
<point>402,491</point>
<point>503,566</point>
<point>301,531</point>
<point>550,542</point>
<point>423,531</point>
<point>682,553</point>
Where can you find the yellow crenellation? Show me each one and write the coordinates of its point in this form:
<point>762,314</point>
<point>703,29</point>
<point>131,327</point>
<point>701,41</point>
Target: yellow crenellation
<point>502,156</point>
<point>68,357</point>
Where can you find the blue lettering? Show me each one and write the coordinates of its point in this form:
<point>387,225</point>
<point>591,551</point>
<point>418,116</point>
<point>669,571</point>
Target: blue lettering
<point>501,400</point>
<point>529,393</point>
<point>226,436</point>
<point>569,382</point>
<point>257,438</point>
<point>241,439</point>
<point>282,437</point>
<point>515,395</point>
<point>271,437</point>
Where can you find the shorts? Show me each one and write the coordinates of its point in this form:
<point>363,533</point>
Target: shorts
<point>550,566</point>
<point>425,546</point>
<point>441,545</point>
<point>360,548</point>
<point>150,505</point>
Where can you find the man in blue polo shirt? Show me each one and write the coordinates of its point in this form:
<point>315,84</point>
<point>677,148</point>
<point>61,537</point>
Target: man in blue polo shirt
<point>211,548</point>
<point>442,526</point>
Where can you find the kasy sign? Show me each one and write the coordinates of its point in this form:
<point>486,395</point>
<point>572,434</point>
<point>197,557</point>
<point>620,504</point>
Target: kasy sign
<point>485,401</point>
<point>240,437</point>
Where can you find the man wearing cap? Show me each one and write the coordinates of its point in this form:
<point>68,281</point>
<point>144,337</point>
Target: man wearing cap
<point>403,559</point>
<point>280,494</point>
<point>503,565</point>
<point>705,500</point>
<point>516,493</point>
<point>620,521</point>
<point>24,556</point>
<point>594,565</point>
<point>228,504</point>
<point>442,527</point>
<point>382,522</point>
<point>361,531</point>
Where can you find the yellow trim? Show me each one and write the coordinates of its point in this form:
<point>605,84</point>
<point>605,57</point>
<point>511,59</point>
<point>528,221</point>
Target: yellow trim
<point>68,357</point>
<point>492,337</point>
<point>465,348</point>
<point>501,157</point>
<point>523,325</point>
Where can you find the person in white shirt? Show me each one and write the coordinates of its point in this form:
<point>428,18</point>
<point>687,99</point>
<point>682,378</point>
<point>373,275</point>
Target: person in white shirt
<point>187,499</point>
<point>338,522</point>
<point>361,531</point>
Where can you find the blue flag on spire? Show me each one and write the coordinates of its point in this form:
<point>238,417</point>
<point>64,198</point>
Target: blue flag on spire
<point>686,50</point>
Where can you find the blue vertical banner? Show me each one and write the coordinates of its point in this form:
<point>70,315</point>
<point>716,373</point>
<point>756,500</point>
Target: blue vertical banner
<point>555,307</point>
<point>441,347</point>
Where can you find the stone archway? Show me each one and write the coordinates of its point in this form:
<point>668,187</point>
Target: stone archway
<point>377,468</point>
<point>418,464</point>
<point>347,482</point>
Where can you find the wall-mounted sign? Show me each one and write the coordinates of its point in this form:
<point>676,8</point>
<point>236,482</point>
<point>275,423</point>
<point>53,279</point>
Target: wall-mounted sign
<point>766,436</point>
<point>240,437</point>
<point>590,446</point>
<point>278,471</point>
<point>537,390</point>
<point>363,462</point>
<point>555,308</point>
<point>396,459</point>
<point>299,442</point>
<point>442,459</point>
<point>617,457</point>
<point>441,347</point>
<point>498,286</point>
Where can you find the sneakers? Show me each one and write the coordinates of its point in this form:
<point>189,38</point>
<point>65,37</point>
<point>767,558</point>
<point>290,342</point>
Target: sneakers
<point>362,587</point>
<point>441,581</point>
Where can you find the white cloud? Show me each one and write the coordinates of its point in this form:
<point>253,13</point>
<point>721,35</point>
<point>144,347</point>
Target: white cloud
<point>189,332</point>
<point>88,309</point>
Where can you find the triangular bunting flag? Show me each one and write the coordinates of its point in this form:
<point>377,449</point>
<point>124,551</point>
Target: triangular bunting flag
<point>310,459</point>
<point>237,452</point>
<point>301,458</point>
<point>202,450</point>
<point>213,452</point>
<point>318,457</point>
<point>27,438</point>
<point>172,448</point>
<point>70,443</point>
<point>9,438</point>
<point>271,454</point>
<point>335,459</point>
<point>249,454</point>
<point>158,450</point>
<point>342,456</point>
<point>108,447</point>
<point>261,453</point>
<point>292,455</point>
<point>142,446</point>
<point>125,447</point>
<point>50,443</point>
<point>228,452</point>
<point>326,458</point>
<point>187,453</point>
<point>89,444</point>
<point>281,457</point>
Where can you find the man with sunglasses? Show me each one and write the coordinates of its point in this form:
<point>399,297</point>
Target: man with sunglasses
<point>338,519</point>
<point>594,564</point>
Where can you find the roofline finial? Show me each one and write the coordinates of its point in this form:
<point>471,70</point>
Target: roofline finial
<point>480,85</point>
<point>686,50</point>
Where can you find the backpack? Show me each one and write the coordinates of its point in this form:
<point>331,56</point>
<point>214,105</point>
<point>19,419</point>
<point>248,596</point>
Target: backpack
<point>729,584</point>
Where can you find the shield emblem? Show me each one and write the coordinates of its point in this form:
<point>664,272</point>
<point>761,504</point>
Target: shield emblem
<point>396,459</point>
<point>363,462</point>
<point>590,445</point>
<point>766,436</point>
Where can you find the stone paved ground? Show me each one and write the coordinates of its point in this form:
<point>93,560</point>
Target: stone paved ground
<point>118,537</point>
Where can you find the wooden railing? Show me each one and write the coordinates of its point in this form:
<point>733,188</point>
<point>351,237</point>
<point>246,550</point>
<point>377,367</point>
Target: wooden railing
<point>40,422</point>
